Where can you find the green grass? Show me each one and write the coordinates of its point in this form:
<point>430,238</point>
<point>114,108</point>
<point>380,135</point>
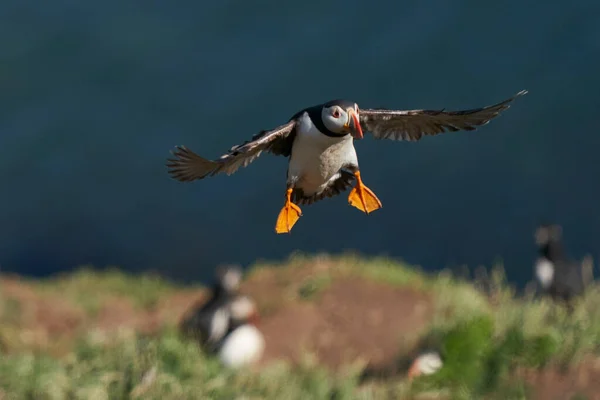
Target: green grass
<point>88,287</point>
<point>163,367</point>
<point>313,286</point>
<point>483,338</point>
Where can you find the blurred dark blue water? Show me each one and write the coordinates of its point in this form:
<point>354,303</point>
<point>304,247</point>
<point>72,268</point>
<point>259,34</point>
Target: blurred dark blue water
<point>93,95</point>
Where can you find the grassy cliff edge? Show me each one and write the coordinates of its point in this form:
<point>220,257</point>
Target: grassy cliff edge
<point>106,334</point>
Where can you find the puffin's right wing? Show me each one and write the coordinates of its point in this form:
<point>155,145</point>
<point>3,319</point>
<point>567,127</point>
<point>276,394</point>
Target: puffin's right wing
<point>412,125</point>
<point>189,166</point>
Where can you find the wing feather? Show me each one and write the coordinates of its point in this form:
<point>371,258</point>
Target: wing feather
<point>412,125</point>
<point>188,166</point>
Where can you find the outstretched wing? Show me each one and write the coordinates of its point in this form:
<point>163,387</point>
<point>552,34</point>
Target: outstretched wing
<point>188,166</point>
<point>412,125</point>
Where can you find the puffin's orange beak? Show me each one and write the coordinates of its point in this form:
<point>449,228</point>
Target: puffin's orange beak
<point>353,124</point>
<point>254,318</point>
<point>414,371</point>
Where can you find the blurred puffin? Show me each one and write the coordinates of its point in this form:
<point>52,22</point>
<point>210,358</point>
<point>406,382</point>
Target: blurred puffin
<point>558,276</point>
<point>243,343</point>
<point>209,323</point>
<point>319,143</point>
<point>427,363</point>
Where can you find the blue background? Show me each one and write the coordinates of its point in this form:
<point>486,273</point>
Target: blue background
<point>94,95</point>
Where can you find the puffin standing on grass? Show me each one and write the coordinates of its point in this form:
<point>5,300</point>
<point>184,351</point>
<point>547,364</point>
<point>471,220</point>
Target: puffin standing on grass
<point>209,322</point>
<point>319,143</point>
<point>559,276</point>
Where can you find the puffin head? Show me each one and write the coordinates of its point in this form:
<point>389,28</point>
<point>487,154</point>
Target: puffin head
<point>341,117</point>
<point>548,233</point>
<point>243,310</point>
<point>426,364</point>
<point>229,277</point>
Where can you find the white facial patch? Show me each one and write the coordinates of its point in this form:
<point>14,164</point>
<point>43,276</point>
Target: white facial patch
<point>332,123</point>
<point>231,280</point>
<point>429,363</point>
<point>242,308</point>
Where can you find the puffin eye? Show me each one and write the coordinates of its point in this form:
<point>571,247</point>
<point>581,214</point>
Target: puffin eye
<point>336,113</point>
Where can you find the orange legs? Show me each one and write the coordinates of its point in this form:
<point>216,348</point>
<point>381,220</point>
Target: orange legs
<point>362,197</point>
<point>288,216</point>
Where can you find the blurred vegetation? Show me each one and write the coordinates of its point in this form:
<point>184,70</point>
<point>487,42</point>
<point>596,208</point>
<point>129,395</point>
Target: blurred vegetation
<point>89,288</point>
<point>486,333</point>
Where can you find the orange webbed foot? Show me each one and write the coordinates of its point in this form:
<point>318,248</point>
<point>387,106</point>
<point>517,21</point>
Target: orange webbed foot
<point>288,216</point>
<point>362,197</point>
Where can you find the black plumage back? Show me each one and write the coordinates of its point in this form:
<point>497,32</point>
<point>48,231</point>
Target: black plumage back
<point>196,323</point>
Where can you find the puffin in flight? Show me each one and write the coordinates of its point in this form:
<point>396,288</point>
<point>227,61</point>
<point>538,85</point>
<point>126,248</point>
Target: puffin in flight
<point>319,142</point>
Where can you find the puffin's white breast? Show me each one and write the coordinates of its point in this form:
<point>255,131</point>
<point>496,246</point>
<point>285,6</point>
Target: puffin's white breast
<point>242,347</point>
<point>544,270</point>
<point>218,325</point>
<point>316,158</point>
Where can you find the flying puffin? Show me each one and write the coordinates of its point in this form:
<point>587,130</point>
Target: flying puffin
<point>209,322</point>
<point>319,143</point>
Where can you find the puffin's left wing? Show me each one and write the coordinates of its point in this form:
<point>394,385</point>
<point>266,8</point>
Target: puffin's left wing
<point>412,125</point>
<point>189,166</point>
